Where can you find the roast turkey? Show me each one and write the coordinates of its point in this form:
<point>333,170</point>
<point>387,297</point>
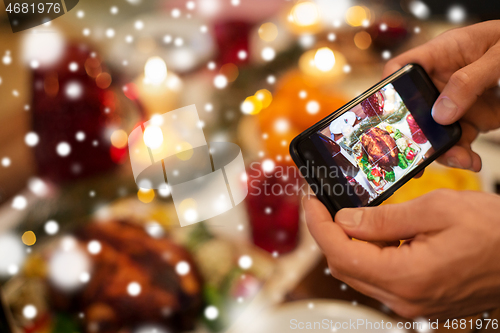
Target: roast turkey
<point>380,148</point>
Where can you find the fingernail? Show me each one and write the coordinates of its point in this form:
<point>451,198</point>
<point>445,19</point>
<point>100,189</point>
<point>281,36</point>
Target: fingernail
<point>349,217</point>
<point>444,110</point>
<point>453,162</point>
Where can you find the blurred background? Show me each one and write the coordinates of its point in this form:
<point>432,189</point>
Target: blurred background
<point>83,249</point>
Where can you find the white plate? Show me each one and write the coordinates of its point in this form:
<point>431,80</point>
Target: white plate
<point>288,318</point>
<point>347,119</point>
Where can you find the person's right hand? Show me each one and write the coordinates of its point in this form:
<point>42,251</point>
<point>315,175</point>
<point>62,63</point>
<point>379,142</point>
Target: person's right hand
<point>464,64</point>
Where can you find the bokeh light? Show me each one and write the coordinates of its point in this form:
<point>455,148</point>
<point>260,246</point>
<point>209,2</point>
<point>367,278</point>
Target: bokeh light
<point>251,105</point>
<point>305,14</point>
<point>362,40</point>
<point>145,195</point>
<point>155,70</point>
<point>230,71</point>
<point>357,15</point>
<point>324,60</point>
<point>268,32</point>
<point>29,238</point>
<point>12,254</point>
<point>265,97</point>
<point>153,137</point>
<point>119,138</point>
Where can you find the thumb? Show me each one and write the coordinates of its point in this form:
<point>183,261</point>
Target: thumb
<point>465,86</point>
<point>393,222</point>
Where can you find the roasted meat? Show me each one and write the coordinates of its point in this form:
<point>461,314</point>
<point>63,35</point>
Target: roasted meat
<point>380,148</point>
<point>128,255</point>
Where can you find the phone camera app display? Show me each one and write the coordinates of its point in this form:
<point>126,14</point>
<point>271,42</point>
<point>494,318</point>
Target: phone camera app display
<point>375,143</point>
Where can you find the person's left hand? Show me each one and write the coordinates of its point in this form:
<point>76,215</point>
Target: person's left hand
<point>451,268</point>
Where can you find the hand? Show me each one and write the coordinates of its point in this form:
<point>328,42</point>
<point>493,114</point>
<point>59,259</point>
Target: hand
<point>451,268</point>
<point>464,64</point>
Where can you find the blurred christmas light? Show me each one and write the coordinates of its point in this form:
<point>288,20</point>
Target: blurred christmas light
<point>31,139</point>
<point>29,311</point>
<point>305,14</point>
<point>94,247</point>
<point>235,2</point>
<point>265,97</point>
<point>268,32</point>
<point>63,149</point>
<point>324,60</point>
<point>164,190</point>
<point>386,54</point>
<point>80,136</point>
<point>119,138</point>
<point>103,80</point>
<point>155,70</point>
<point>211,312</point>
<point>456,14</point>
<point>346,68</point>
<point>362,40</point>
<point>134,289</point>
<point>178,41</point>
<point>190,5</point>
<point>28,238</point>
<point>251,105</point>
<point>182,268</point>
<point>86,31</point>
<point>153,137</point>
<point>230,71</point>
<point>34,64</point>
<point>184,151</point>
<point>113,10</point>
<point>312,107</point>
<point>46,48</point>
<point>419,9</point>
<point>271,79</point>
<point>416,30</point>
<point>331,37</point>
<point>176,13</point>
<point>281,125</point>
<point>74,90</point>
<point>51,227</point>
<point>220,81</point>
<point>138,25</point>
<point>245,262</point>
<point>145,196</point>
<point>209,7</point>
<point>242,54</point>
<point>302,94</point>
<point>73,66</point>
<point>268,53</point>
<point>307,41</point>
<point>6,162</point>
<point>203,29</point>
<point>80,14</point>
<point>19,202</point>
<point>38,187</point>
<point>356,15</point>
<point>383,27</point>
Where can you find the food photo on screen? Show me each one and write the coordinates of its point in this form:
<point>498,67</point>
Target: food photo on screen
<point>375,143</point>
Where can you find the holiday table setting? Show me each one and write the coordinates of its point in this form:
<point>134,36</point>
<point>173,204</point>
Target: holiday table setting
<point>83,247</point>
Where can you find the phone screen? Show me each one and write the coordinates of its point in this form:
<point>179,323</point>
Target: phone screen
<point>375,143</point>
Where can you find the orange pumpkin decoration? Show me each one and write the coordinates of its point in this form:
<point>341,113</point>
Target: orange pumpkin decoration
<point>297,104</point>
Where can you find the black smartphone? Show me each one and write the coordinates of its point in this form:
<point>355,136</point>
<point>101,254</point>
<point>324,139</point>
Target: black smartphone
<point>363,152</point>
